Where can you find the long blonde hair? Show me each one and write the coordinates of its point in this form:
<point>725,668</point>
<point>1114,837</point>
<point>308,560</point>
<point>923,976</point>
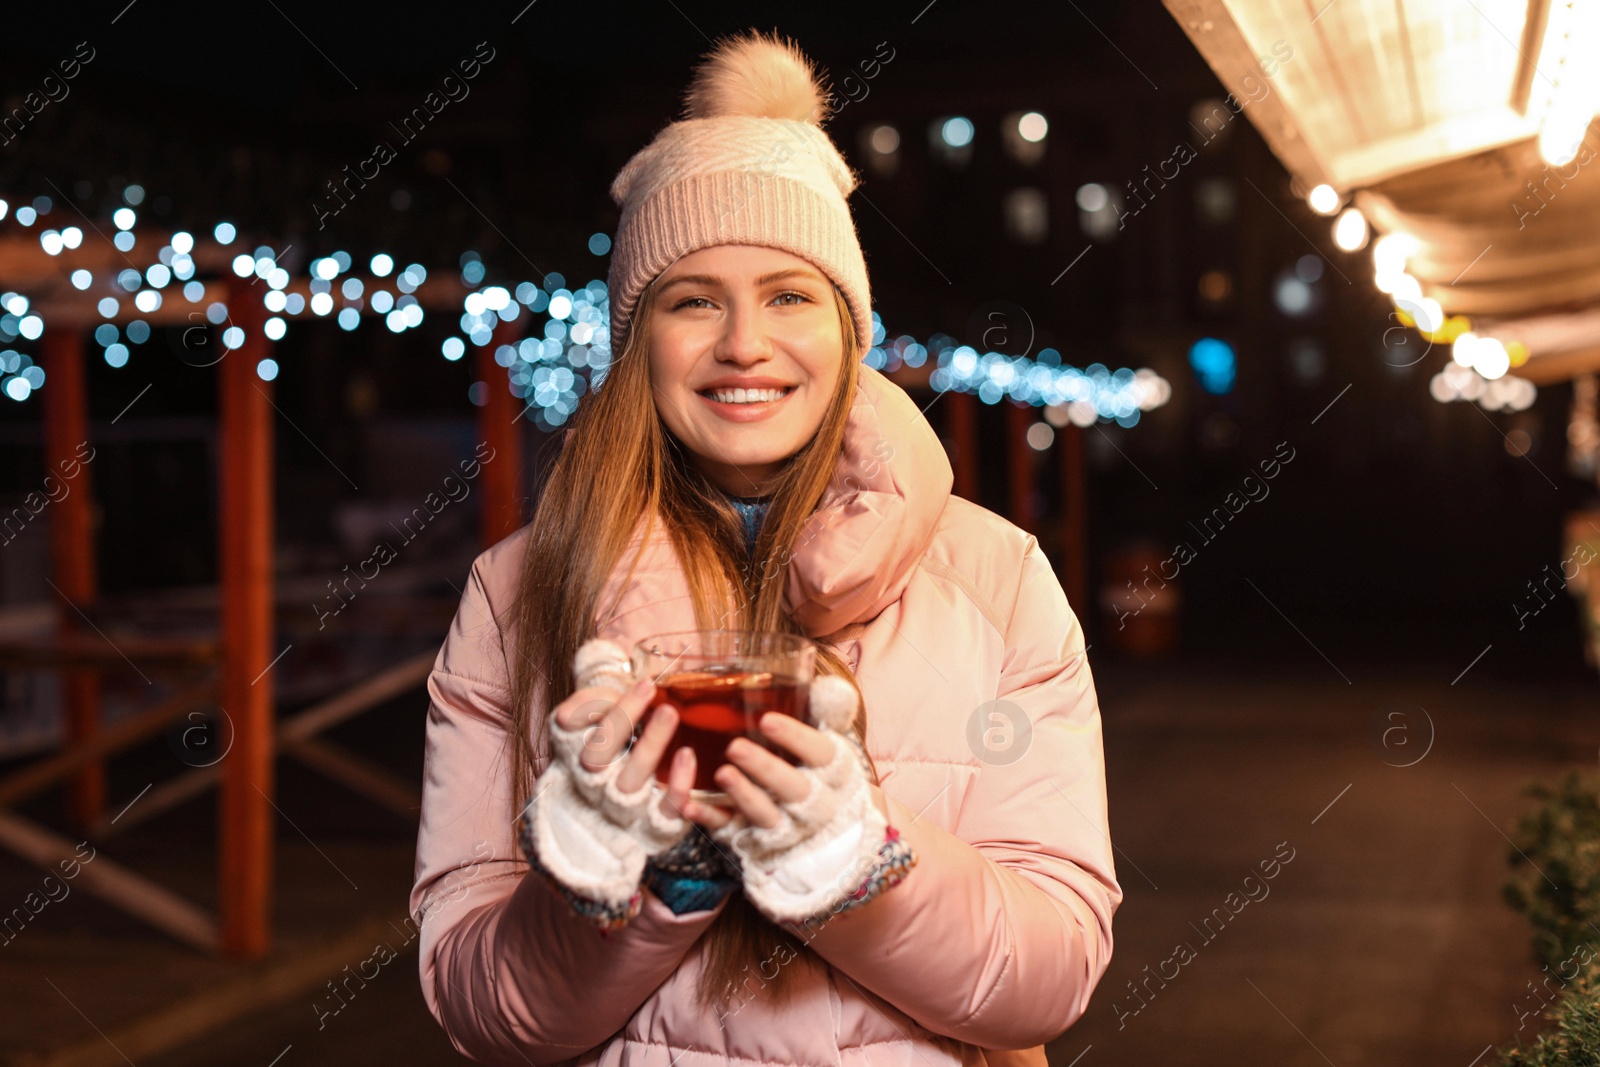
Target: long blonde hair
<point>620,464</point>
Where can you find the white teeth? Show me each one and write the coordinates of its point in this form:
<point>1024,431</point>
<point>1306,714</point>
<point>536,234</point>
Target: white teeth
<point>746,396</point>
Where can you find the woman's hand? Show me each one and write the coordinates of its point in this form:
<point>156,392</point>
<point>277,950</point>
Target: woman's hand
<point>610,718</point>
<point>756,779</point>
<point>597,815</point>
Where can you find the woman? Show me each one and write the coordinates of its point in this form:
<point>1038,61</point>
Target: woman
<point>816,500</point>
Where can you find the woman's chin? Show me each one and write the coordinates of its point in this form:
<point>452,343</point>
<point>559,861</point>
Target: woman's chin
<point>740,470</point>
<point>744,447</point>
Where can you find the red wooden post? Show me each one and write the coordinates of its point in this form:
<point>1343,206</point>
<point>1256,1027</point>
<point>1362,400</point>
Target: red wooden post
<point>500,422</point>
<point>1019,463</point>
<point>246,814</point>
<point>1077,501</point>
<point>961,411</point>
<point>67,453</point>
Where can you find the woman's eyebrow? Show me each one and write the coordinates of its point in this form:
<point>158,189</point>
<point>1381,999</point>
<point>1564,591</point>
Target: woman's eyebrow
<point>712,281</point>
<point>697,279</point>
<point>791,272</point>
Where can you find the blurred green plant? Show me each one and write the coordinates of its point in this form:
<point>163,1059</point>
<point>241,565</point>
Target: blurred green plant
<point>1556,867</point>
<point>1555,883</point>
<point>1574,1040</point>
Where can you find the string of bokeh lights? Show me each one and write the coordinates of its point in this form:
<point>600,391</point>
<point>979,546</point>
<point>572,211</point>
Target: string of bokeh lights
<point>1479,365</point>
<point>563,357</point>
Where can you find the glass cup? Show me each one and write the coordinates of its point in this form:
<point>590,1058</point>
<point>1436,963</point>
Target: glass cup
<point>720,682</point>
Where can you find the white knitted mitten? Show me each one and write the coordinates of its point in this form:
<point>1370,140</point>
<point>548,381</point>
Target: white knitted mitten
<point>826,844</point>
<point>587,834</point>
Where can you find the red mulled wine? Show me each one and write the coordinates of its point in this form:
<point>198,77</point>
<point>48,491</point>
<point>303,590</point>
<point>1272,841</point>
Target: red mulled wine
<point>715,706</point>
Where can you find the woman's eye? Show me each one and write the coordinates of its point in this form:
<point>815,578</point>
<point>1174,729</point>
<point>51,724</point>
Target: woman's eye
<point>693,301</point>
<point>799,298</point>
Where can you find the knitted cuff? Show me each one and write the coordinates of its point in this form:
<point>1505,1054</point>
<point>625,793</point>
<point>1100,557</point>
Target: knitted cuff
<point>895,859</point>
<point>605,917</point>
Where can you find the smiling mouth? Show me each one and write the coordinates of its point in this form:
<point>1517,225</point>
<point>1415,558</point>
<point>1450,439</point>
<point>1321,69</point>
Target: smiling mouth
<point>745,396</point>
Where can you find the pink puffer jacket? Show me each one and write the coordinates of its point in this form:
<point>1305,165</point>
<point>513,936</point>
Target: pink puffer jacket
<point>984,725</point>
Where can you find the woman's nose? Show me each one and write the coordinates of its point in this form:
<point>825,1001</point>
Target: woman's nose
<point>744,337</point>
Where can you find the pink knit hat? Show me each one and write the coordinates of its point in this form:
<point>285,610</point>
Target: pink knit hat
<point>749,165</point>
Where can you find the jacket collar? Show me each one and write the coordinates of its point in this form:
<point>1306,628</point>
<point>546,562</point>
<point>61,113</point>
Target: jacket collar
<point>858,551</point>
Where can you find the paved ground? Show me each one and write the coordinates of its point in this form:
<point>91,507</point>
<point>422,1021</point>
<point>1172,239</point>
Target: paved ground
<point>1383,941</point>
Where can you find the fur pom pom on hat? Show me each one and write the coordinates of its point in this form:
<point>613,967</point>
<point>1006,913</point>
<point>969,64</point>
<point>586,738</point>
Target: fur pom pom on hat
<point>755,75</point>
<point>750,164</point>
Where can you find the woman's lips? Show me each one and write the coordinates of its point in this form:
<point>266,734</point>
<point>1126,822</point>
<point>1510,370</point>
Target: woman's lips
<point>747,412</point>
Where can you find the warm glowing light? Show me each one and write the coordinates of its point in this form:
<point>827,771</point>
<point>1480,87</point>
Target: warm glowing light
<point>1324,200</point>
<point>1429,315</point>
<point>1566,88</point>
<point>1350,232</point>
<point>1390,252</point>
<point>1561,136</point>
<point>1033,127</point>
<point>1407,292</point>
<point>1491,359</point>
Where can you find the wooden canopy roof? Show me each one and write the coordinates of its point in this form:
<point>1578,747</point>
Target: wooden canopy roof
<point>1425,114</point>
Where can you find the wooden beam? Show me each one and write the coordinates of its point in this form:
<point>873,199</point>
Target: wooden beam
<point>299,728</point>
<point>1211,26</point>
<point>246,814</point>
<point>961,420</point>
<point>1375,161</point>
<point>80,649</point>
<point>110,881</point>
<point>1560,366</point>
<point>68,457</point>
<point>500,422</point>
<point>159,799</point>
<point>368,693</point>
<point>362,776</point>
<point>42,774</point>
<point>1019,464</point>
<point>1076,498</point>
<point>1533,30</point>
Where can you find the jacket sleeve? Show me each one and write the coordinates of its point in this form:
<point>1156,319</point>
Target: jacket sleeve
<point>1001,932</point>
<point>510,973</point>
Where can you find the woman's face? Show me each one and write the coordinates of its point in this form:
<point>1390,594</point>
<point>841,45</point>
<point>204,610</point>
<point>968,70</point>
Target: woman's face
<point>746,350</point>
